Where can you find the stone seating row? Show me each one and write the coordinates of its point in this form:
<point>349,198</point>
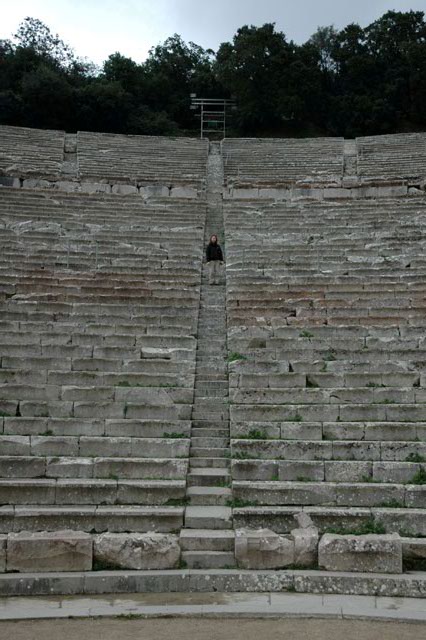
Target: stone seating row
<point>279,161</point>
<point>388,165</point>
<point>97,360</point>
<point>102,163</point>
<point>325,338</point>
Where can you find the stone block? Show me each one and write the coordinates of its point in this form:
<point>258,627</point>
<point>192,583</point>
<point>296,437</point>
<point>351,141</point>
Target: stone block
<point>124,189</point>
<point>34,183</point>
<point>68,186</point>
<point>275,194</point>
<point>263,549</point>
<point>245,193</point>
<point>337,193</point>
<point>95,187</point>
<point>183,192</point>
<point>154,191</point>
<point>413,549</point>
<point>368,553</point>
<point>8,181</point>
<point>304,520</point>
<point>305,546</point>
<point>290,470</point>
<point>49,551</point>
<point>137,551</point>
<point>392,191</point>
<point>312,193</point>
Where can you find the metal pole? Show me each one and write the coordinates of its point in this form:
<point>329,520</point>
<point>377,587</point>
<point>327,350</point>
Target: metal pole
<point>202,120</point>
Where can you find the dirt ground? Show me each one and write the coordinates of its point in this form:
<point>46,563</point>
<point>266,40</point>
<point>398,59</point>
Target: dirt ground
<point>210,629</point>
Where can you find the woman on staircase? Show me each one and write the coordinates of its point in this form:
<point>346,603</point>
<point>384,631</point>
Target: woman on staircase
<point>214,257</point>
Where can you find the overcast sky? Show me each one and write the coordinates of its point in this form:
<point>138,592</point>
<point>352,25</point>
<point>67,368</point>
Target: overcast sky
<point>97,28</point>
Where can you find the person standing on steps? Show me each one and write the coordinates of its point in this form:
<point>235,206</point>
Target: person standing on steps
<point>214,257</point>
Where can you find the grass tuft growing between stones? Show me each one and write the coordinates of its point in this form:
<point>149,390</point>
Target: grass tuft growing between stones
<point>369,526</point>
<point>174,435</point>
<point>177,502</point>
<point>419,477</point>
<point>239,503</point>
<point>235,357</point>
<point>415,457</point>
<point>256,434</point>
<point>239,455</point>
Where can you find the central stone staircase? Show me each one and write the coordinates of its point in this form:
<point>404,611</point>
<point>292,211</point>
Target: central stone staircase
<point>207,541</point>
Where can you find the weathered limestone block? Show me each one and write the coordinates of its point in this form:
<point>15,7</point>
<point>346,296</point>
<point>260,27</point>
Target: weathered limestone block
<point>9,181</point>
<point>305,546</point>
<point>49,551</point>
<point>304,520</point>
<point>369,553</point>
<point>95,187</point>
<point>414,549</point>
<point>35,183</point>
<point>245,193</point>
<point>3,540</point>
<point>137,551</point>
<point>275,194</point>
<point>154,191</point>
<point>183,192</point>
<point>263,549</point>
<point>68,186</point>
<point>124,189</point>
<point>305,541</point>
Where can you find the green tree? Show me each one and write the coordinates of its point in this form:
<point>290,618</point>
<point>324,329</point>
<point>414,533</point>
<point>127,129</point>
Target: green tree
<point>34,34</point>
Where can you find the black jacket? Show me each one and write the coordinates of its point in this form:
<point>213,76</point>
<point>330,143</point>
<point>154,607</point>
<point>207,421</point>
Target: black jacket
<point>213,252</point>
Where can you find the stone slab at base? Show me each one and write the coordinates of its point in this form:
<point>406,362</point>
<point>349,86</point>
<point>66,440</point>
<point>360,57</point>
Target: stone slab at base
<point>49,551</point>
<point>412,585</point>
<point>371,553</point>
<point>137,550</point>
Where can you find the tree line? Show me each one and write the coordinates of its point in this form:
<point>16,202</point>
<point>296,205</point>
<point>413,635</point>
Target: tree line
<point>350,82</point>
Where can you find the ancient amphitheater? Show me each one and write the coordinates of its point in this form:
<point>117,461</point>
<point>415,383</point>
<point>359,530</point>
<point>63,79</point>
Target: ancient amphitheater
<point>162,434</point>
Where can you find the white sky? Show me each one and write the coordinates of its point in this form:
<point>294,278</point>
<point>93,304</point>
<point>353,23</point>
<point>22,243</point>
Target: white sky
<point>97,28</point>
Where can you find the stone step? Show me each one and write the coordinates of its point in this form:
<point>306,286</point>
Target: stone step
<point>91,446</point>
<point>349,494</point>
<point>209,442</point>
<point>91,518</point>
<point>212,452</point>
<point>205,477</point>
<point>209,495</point>
<point>209,559</point>
<point>217,371</point>
<point>331,518</point>
<point>209,462</point>
<point>72,466</point>
<point>91,491</point>
<point>200,432</point>
<point>210,424</point>
<point>208,517</point>
<point>209,415</point>
<point>219,385</point>
<point>218,395</point>
<point>337,471</point>
<point>329,450</point>
<point>206,540</point>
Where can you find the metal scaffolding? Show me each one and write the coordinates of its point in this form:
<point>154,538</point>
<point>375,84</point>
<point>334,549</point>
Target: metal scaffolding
<point>212,113</point>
